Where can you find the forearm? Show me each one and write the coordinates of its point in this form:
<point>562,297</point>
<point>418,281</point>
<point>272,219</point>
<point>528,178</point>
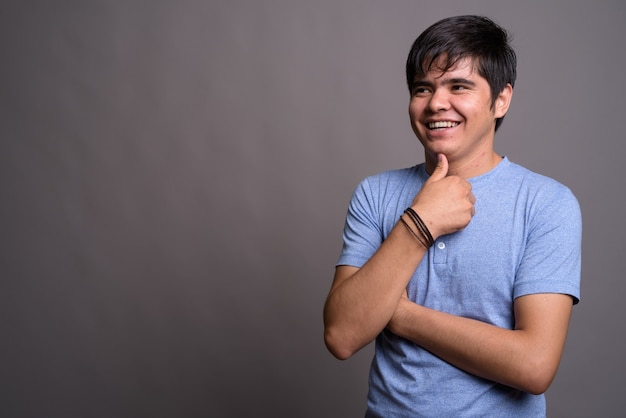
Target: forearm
<point>522,358</point>
<point>473,346</point>
<point>362,301</point>
<point>360,305</point>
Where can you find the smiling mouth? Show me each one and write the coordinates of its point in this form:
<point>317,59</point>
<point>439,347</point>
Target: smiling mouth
<point>442,125</point>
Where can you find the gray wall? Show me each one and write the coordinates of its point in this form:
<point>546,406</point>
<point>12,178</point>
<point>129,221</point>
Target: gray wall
<point>174,177</point>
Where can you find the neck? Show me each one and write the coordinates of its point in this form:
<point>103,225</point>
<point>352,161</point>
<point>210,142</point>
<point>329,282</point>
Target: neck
<point>478,164</point>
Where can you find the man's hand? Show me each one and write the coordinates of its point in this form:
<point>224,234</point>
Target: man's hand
<point>445,203</point>
<point>362,301</point>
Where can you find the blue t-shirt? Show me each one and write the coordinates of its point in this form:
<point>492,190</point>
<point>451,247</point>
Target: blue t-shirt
<point>525,238</point>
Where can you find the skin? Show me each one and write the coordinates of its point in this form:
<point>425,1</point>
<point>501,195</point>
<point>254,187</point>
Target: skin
<point>462,96</point>
<point>363,301</point>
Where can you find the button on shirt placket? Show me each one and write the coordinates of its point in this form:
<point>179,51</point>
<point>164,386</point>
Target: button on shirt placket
<point>441,252</point>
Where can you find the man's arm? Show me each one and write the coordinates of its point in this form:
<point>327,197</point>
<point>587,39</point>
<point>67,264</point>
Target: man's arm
<point>526,358</point>
<point>362,301</point>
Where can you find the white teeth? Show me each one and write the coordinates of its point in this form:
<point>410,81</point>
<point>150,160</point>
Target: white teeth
<point>446,124</point>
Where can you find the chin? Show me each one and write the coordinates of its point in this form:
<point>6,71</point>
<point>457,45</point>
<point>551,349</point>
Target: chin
<point>434,151</point>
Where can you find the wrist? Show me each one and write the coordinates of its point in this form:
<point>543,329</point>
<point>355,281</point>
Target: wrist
<point>427,218</point>
<point>421,227</point>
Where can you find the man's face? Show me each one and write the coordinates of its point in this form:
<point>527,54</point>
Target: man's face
<point>451,112</point>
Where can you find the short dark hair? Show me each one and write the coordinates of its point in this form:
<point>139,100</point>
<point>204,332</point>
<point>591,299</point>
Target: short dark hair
<point>459,37</point>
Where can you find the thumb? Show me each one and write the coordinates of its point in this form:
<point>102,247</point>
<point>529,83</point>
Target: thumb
<point>441,170</point>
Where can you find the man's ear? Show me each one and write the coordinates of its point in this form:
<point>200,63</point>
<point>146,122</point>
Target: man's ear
<point>503,101</point>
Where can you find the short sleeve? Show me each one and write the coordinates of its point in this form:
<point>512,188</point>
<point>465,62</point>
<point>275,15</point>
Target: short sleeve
<point>362,234</point>
<point>551,261</point>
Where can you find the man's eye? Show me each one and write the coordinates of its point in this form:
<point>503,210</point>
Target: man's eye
<point>458,87</point>
<point>420,91</point>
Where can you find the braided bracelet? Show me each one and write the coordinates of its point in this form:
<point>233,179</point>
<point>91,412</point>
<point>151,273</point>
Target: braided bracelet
<point>417,237</point>
<point>421,226</point>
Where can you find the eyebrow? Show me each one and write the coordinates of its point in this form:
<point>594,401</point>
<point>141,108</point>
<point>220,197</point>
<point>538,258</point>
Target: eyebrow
<point>458,80</point>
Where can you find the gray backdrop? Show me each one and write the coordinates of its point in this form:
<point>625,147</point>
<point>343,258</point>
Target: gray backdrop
<point>174,178</point>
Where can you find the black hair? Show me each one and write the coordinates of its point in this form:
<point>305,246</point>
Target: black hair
<point>446,42</point>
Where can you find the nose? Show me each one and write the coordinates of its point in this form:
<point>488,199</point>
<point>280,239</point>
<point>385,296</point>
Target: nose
<point>439,100</point>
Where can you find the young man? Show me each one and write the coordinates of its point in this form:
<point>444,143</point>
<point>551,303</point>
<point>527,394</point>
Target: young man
<point>464,269</point>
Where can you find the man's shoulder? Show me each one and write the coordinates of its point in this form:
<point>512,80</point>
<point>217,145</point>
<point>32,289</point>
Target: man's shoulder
<point>391,185</point>
<point>540,189</point>
<point>534,179</point>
